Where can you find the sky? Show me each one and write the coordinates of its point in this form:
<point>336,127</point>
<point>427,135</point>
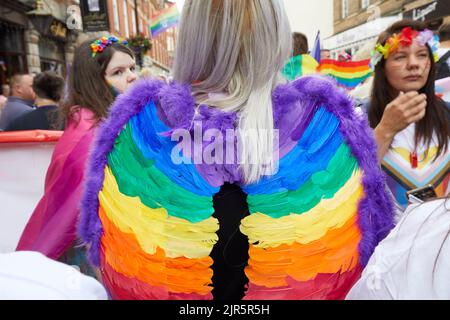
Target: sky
<point>300,12</point>
<point>180,4</point>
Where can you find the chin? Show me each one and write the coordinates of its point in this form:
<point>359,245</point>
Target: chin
<point>412,87</point>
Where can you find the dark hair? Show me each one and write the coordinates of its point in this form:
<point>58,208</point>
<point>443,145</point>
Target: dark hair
<point>300,43</point>
<point>87,86</point>
<point>48,85</point>
<point>437,115</point>
<point>444,32</point>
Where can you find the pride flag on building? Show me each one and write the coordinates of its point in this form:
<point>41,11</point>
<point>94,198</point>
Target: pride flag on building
<point>164,20</point>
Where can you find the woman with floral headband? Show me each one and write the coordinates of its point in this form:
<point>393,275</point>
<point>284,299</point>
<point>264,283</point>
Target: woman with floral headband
<point>101,69</point>
<point>411,124</point>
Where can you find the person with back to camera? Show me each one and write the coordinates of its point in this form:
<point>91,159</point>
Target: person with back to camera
<point>230,183</point>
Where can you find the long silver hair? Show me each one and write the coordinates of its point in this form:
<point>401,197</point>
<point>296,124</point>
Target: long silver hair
<point>236,48</point>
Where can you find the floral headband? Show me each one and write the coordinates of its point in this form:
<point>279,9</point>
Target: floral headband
<point>405,39</point>
<point>100,44</point>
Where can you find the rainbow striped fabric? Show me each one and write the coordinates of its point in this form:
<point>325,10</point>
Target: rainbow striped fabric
<point>151,226</point>
<point>348,74</point>
<point>164,20</point>
<point>401,177</point>
<point>298,66</point>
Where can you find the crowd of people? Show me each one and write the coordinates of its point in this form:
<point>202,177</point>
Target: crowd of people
<point>352,201</point>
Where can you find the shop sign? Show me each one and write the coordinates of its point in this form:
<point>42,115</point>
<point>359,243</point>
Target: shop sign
<point>95,15</point>
<point>431,11</point>
<point>58,30</point>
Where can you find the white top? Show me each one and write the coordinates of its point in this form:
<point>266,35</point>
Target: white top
<point>413,262</point>
<point>441,52</point>
<point>32,276</point>
<point>429,171</point>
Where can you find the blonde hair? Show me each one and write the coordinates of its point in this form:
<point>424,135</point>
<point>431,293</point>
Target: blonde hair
<point>237,48</point>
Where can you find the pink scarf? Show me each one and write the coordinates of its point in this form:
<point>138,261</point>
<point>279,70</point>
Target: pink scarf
<point>52,227</point>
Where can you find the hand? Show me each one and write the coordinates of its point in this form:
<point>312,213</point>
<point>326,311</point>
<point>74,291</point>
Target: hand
<point>404,110</point>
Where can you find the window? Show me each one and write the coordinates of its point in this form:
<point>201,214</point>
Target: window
<point>170,43</point>
<point>133,21</point>
<point>344,8</point>
<point>116,16</point>
<point>12,51</point>
<point>94,5</point>
<point>51,54</point>
<point>365,4</point>
<point>125,21</point>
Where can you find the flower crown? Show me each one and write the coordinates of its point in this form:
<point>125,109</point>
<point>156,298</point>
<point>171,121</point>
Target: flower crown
<point>100,44</point>
<point>405,39</point>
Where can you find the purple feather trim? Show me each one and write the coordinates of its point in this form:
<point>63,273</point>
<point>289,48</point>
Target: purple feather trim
<point>376,210</point>
<point>90,227</point>
<point>293,101</point>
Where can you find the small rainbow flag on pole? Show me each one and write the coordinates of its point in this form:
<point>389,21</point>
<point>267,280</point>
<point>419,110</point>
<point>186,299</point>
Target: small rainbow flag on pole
<point>348,74</point>
<point>164,20</point>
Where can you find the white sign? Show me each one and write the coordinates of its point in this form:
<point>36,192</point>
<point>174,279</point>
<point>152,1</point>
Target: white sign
<point>364,31</point>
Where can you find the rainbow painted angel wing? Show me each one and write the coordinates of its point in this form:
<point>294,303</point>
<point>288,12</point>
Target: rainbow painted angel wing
<point>312,226</point>
<point>303,225</point>
<point>156,216</point>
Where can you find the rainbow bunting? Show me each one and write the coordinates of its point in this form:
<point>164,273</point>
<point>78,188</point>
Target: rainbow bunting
<point>348,74</point>
<point>164,20</point>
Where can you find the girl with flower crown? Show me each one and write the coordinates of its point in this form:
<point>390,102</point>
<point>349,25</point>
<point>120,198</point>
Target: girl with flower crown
<point>411,124</point>
<point>101,69</point>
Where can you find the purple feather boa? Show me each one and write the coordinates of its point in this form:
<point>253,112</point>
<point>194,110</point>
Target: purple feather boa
<point>295,100</point>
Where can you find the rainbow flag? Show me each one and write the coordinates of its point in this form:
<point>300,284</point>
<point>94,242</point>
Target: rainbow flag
<point>348,74</point>
<point>164,20</point>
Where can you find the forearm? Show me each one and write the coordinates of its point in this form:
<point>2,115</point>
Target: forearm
<point>98,274</point>
<point>383,138</point>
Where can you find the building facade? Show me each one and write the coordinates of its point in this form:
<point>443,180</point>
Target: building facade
<point>40,35</point>
<point>34,37</point>
<point>300,13</point>
<point>127,18</point>
<point>358,22</point>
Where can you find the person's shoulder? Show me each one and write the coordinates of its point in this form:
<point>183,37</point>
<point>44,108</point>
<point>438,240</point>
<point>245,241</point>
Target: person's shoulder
<point>312,92</point>
<point>173,100</point>
<point>31,275</point>
<point>19,104</point>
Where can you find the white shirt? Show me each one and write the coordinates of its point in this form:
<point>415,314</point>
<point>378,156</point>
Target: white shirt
<point>407,264</point>
<point>27,275</point>
<point>441,53</point>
